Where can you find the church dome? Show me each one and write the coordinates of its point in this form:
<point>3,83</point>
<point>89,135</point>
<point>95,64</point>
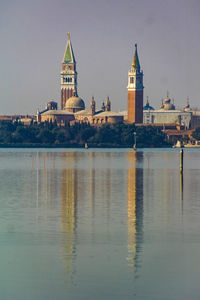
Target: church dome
<point>148,107</point>
<point>74,104</point>
<point>168,105</point>
<point>187,107</point>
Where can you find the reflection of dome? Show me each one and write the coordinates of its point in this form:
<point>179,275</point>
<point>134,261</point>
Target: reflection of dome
<point>74,104</point>
<point>167,104</point>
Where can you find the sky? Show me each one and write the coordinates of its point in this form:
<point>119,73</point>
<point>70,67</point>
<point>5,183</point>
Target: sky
<point>33,35</point>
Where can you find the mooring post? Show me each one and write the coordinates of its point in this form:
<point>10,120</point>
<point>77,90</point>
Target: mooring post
<point>134,146</point>
<point>181,160</point>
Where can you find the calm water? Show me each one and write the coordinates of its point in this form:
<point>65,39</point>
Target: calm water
<point>99,224</point>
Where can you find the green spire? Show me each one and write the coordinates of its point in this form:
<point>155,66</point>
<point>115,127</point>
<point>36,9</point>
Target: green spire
<point>136,63</point>
<point>69,54</point>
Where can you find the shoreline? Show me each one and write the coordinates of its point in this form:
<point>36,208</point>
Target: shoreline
<point>78,146</point>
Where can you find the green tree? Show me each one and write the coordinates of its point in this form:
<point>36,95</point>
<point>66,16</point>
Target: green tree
<point>45,136</point>
<point>196,134</point>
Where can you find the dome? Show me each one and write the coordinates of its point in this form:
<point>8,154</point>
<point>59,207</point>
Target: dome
<point>148,107</point>
<point>187,107</point>
<point>75,103</point>
<point>162,106</point>
<point>168,105</point>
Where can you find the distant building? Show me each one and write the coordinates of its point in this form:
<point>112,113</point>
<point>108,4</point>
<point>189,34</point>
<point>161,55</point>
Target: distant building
<point>59,116</point>
<point>167,114</point>
<point>135,91</point>
<point>72,106</point>
<point>99,116</point>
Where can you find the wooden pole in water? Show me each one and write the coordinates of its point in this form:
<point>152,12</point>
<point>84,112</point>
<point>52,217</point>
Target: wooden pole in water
<point>181,160</point>
<point>134,146</point>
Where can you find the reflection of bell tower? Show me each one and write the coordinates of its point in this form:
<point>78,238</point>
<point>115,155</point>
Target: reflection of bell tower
<point>135,91</point>
<point>135,207</point>
<point>68,75</point>
<point>69,199</point>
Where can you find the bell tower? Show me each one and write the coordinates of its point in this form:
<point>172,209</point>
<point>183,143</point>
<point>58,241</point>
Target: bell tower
<point>68,75</point>
<point>135,91</point>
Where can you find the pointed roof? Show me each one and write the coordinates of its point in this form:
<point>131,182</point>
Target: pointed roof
<point>69,54</point>
<point>136,63</point>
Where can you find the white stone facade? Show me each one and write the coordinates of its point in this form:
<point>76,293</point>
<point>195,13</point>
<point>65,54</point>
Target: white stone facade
<point>167,117</point>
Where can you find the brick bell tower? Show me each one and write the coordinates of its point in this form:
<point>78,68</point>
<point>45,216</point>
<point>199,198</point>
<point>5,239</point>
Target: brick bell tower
<point>68,75</point>
<point>135,91</point>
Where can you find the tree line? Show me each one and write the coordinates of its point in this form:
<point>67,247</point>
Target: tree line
<point>107,135</point>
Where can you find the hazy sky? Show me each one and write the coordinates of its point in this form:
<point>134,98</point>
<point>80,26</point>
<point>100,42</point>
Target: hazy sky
<point>33,36</point>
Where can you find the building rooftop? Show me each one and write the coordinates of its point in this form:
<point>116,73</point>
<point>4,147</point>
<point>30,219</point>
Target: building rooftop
<point>87,112</point>
<point>56,112</point>
<point>109,114</point>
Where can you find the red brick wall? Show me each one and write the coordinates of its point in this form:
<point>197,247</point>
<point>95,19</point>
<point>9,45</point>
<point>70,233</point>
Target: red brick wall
<point>135,106</point>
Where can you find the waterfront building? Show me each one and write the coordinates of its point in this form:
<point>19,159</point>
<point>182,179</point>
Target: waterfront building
<point>135,91</point>
<point>73,107</point>
<point>167,114</point>
<point>98,116</point>
<point>59,116</point>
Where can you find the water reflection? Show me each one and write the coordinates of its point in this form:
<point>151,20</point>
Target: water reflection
<point>83,188</point>
<point>135,208</point>
<point>70,219</point>
<point>92,184</point>
<point>69,214</point>
<point>47,179</point>
<point>181,191</point>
